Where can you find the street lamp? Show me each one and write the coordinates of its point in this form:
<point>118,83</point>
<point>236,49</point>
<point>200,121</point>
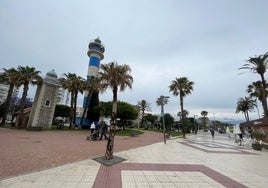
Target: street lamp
<point>163,100</point>
<point>196,131</point>
<point>214,122</point>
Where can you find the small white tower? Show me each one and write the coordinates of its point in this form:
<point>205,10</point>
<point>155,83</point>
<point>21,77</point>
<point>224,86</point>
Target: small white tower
<point>44,103</point>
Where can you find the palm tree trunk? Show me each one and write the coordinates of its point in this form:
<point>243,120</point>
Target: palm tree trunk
<point>71,111</point>
<point>75,104</point>
<point>182,117</point>
<point>246,116</point>
<point>264,96</point>
<point>7,103</point>
<point>142,118</point>
<point>110,142</point>
<point>21,118</point>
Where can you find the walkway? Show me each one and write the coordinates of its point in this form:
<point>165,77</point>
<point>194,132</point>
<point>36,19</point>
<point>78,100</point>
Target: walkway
<point>25,151</point>
<point>198,161</point>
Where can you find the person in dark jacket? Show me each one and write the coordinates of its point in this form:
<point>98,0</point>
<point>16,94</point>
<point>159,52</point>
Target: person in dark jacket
<point>103,129</point>
<point>212,132</point>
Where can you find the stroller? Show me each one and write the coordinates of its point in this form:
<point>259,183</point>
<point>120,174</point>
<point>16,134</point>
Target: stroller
<point>94,136</point>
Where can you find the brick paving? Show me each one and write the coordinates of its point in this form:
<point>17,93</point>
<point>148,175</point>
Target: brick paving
<point>25,151</point>
<point>115,181</point>
<point>198,161</point>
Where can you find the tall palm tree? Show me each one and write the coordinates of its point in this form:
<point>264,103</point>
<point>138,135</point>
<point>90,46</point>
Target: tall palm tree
<point>259,65</point>
<point>245,105</point>
<point>116,77</point>
<point>8,77</point>
<point>143,105</point>
<point>26,75</point>
<point>161,101</point>
<point>182,87</point>
<point>204,118</point>
<point>255,91</point>
<point>74,84</point>
<point>185,113</point>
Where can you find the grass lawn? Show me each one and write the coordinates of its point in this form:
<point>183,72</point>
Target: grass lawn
<point>128,132</point>
<point>172,133</point>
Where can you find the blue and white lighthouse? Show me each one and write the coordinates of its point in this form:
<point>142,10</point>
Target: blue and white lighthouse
<point>95,54</point>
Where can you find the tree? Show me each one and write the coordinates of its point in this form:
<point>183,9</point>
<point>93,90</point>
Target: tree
<point>182,87</point>
<point>169,120</point>
<point>62,111</point>
<point>8,77</point>
<point>204,118</point>
<point>91,87</point>
<point>143,106</point>
<point>25,76</point>
<point>255,91</point>
<point>259,65</point>
<point>73,84</point>
<point>106,108</point>
<point>2,109</point>
<point>185,113</point>
<point>125,111</point>
<point>117,77</point>
<point>245,105</point>
<point>161,101</point>
<point>151,118</point>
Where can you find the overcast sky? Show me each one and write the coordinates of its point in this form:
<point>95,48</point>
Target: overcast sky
<point>203,40</point>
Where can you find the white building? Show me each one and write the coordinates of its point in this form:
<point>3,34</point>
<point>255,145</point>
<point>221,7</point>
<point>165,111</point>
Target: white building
<point>4,92</point>
<point>63,97</point>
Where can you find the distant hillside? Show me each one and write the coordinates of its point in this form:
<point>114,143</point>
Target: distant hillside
<point>231,121</point>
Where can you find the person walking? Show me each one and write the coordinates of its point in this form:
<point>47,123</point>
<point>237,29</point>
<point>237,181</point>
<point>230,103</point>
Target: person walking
<point>103,128</point>
<point>212,132</point>
<point>240,139</point>
<point>92,127</point>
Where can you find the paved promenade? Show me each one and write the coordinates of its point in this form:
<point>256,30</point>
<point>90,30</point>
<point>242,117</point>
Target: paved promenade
<point>198,161</point>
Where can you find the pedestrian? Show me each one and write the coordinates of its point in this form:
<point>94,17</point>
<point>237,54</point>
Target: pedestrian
<point>212,133</point>
<point>103,128</point>
<point>92,127</point>
<point>240,139</point>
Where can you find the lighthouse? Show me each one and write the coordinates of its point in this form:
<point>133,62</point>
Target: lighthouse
<point>95,54</point>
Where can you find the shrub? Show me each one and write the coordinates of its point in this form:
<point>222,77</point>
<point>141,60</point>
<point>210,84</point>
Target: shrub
<point>258,135</point>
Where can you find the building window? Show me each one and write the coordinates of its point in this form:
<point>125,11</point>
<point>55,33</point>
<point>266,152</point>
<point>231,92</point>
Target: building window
<point>47,104</point>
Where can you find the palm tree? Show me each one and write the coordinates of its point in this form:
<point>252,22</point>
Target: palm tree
<point>245,105</point>
<point>185,113</point>
<point>255,91</point>
<point>73,84</point>
<point>26,75</point>
<point>8,77</point>
<point>204,117</point>
<point>182,87</point>
<point>161,101</point>
<point>90,87</point>
<point>116,77</point>
<point>259,65</point>
<point>143,105</point>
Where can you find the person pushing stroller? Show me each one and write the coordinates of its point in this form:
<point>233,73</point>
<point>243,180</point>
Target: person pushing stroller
<point>94,132</point>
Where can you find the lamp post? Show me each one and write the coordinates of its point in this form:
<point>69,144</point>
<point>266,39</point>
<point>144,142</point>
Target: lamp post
<point>214,121</point>
<point>163,100</point>
<point>197,125</point>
